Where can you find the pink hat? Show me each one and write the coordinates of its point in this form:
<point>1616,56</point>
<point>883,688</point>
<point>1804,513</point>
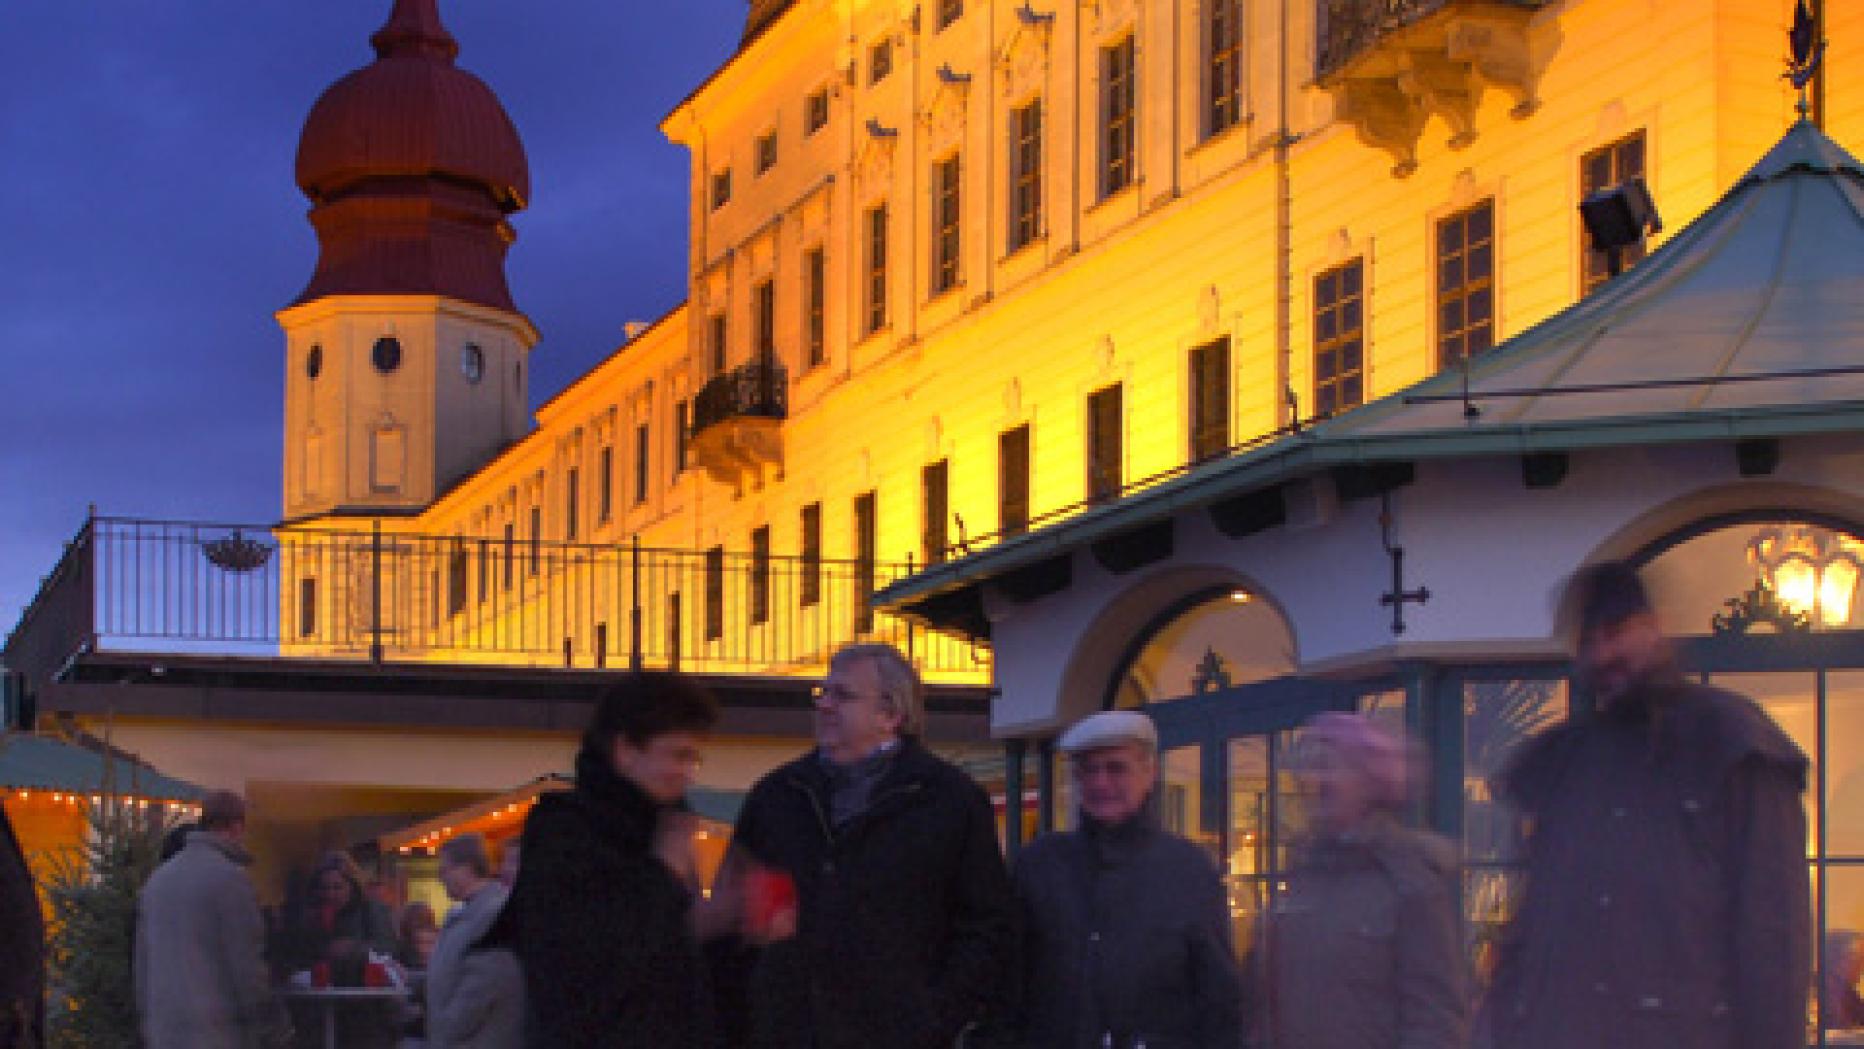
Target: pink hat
<point>1382,756</point>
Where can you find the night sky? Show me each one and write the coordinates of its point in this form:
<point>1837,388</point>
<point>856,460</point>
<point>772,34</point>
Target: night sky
<point>153,227</point>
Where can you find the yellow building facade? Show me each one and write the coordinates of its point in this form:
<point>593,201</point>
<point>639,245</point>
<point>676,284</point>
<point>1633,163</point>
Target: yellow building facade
<point>963,265</point>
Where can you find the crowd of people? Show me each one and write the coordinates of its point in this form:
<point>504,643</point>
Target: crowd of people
<point>865,903</point>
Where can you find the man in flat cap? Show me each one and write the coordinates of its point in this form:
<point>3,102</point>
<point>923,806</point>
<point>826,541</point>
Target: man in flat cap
<point>1125,928</point>
<point>1667,899</point>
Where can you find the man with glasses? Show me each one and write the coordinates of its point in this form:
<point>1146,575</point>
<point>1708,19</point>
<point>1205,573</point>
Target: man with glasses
<point>902,923</point>
<point>1126,931</point>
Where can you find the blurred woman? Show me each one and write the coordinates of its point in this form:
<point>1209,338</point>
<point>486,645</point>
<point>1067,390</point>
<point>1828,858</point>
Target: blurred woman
<point>332,933</point>
<point>1362,950</point>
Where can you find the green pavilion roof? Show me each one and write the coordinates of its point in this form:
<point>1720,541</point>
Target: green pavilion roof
<point>30,762</point>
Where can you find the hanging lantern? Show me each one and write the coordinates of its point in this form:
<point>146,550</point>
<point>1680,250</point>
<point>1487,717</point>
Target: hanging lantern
<point>1811,571</point>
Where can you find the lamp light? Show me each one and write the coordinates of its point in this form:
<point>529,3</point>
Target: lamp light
<point>1812,571</point>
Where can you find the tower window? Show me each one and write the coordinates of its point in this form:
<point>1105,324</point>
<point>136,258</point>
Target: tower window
<point>1614,165</point>
<point>947,223</point>
<point>815,112</point>
<point>766,152</point>
<point>721,189</point>
<point>1117,100</point>
<point>1339,338</point>
<point>1025,174</point>
<point>387,354</point>
<point>1466,284</point>
<point>314,362</point>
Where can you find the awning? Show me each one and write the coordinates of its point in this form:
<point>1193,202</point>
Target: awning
<point>503,814</point>
<point>42,763</point>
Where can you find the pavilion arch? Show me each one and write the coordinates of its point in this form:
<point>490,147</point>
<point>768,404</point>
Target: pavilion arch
<point>1119,636</point>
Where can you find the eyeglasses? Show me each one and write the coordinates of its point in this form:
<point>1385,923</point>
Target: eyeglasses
<point>838,695</point>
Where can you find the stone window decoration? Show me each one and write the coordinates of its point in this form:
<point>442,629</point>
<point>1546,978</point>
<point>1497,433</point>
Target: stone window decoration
<point>815,306</point>
<point>1466,284</point>
<point>1118,99</point>
<point>876,223</point>
<point>1224,66</point>
<point>879,61</point>
<point>947,223</point>
<point>1105,443</point>
<point>1013,481</point>
<point>314,362</point>
<point>1025,174</point>
<point>766,152</point>
<point>1604,168</point>
<point>1210,399</point>
<point>815,111</point>
<point>949,11</point>
<point>1339,339</point>
<point>935,488</point>
<point>386,354</point>
<point>721,189</point>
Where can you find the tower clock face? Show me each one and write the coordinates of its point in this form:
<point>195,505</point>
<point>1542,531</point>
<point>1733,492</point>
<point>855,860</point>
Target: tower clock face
<point>472,362</point>
<point>387,354</point>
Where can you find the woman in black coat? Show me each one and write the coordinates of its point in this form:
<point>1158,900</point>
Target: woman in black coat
<point>601,915</point>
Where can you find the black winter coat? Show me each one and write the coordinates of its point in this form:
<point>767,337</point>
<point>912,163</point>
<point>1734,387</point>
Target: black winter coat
<point>601,926</point>
<point>1126,941</point>
<point>906,916</point>
<point>22,948</point>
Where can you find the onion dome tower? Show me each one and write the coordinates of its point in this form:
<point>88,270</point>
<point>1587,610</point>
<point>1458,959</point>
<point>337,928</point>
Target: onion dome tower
<point>406,354</point>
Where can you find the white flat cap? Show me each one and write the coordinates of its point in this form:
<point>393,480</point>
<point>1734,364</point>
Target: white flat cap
<point>1109,729</point>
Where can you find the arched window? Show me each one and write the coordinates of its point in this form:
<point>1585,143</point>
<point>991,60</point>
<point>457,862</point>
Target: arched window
<point>1211,640</point>
<point>1773,574</point>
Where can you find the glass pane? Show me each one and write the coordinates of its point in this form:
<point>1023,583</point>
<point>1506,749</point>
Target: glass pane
<point>1838,1007</point>
<point>1755,578</point>
<point>1497,717</point>
<point>1251,866</point>
<point>1181,784</point>
<point>1844,760</point>
<point>1790,699</point>
<point>1230,640</point>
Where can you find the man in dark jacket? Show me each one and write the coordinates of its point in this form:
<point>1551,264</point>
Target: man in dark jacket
<point>904,920</point>
<point>1126,932</point>
<point>601,912</point>
<point>1667,899</point>
<point>22,947</point>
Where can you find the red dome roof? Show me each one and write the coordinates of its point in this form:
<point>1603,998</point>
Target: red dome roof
<point>412,167</point>
<point>412,112</point>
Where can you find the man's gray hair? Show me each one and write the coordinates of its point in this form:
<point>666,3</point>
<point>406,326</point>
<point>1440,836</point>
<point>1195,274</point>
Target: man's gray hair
<point>900,689</point>
<point>469,851</point>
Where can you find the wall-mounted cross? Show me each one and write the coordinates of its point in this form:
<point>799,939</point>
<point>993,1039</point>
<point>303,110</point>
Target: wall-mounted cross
<point>1397,597</point>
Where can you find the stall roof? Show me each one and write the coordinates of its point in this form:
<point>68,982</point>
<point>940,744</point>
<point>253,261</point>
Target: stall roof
<point>716,805</point>
<point>32,762</point>
<point>1749,323</point>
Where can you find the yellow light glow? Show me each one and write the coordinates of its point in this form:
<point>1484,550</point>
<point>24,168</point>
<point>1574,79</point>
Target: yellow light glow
<point>1796,583</point>
<point>1836,588</point>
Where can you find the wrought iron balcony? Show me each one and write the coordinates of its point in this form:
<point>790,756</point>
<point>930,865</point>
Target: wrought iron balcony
<point>737,420</point>
<point>162,587</point>
<point>1392,64</point>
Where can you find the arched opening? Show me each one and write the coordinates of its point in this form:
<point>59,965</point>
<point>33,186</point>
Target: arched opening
<point>1211,639</point>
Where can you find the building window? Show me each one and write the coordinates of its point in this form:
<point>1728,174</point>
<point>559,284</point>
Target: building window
<point>570,486</point>
<point>1117,100</point>
<point>605,486</point>
<point>809,587</point>
<point>1613,165</point>
<point>935,487</point>
<point>760,575</point>
<point>715,344</point>
<point>764,320</point>
<point>1105,452</point>
<point>866,544</point>
<point>511,554</point>
<point>1339,339</point>
<point>601,645</point>
<point>949,11</point>
<point>815,306</point>
<point>876,268</point>
<point>815,112</point>
<point>484,584</point>
<point>458,565</point>
<point>680,434</point>
<point>879,61</point>
<point>715,593</point>
<point>673,630</point>
<point>1025,174</point>
<point>1013,481</point>
<point>642,464</point>
<point>307,607</point>
<point>537,538</point>
<point>721,189</point>
<point>1210,400</point>
<point>1466,284</point>
<point>1224,43</point>
<point>766,152</point>
<point>947,220</point>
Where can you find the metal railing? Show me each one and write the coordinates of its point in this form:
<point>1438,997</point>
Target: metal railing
<point>759,389</point>
<point>1345,28</point>
<point>375,593</point>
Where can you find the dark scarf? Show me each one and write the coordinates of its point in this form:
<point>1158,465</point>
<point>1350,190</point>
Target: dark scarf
<point>851,787</point>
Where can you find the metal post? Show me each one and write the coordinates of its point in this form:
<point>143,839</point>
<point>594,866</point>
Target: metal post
<point>634,610</point>
<point>1013,752</point>
<point>375,591</point>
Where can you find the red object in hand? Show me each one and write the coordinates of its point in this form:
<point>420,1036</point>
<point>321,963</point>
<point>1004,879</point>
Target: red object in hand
<point>768,895</point>
<point>374,975</point>
<point>320,974</point>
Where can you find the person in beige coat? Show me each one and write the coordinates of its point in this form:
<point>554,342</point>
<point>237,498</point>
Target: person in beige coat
<point>200,972</point>
<point>475,995</point>
<point>1363,948</point>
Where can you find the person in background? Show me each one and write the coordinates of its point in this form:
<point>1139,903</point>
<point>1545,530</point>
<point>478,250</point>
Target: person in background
<point>1363,948</point>
<point>904,920</point>
<point>22,947</point>
<point>1667,902</point>
<point>508,857</point>
<point>1126,931</point>
<point>332,935</point>
<point>416,934</point>
<point>176,839</point>
<point>200,975</point>
<point>602,913</point>
<point>1841,1008</point>
<point>474,994</point>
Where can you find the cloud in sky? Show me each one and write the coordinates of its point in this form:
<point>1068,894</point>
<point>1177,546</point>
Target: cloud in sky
<point>154,227</point>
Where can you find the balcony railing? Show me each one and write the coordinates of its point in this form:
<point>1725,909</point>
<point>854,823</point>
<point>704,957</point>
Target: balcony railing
<point>1349,27</point>
<point>372,594</point>
<point>757,390</point>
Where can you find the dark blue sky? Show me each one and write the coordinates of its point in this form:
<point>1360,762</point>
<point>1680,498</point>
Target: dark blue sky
<point>152,227</point>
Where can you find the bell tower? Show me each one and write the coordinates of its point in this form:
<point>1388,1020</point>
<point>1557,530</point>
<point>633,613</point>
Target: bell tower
<point>406,360</point>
